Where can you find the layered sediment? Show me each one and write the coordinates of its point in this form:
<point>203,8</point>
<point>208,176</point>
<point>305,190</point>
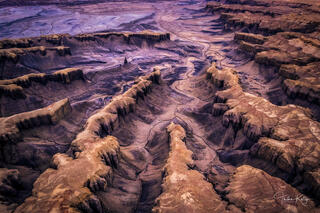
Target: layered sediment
<point>13,54</point>
<point>14,87</point>
<point>253,190</point>
<point>12,126</point>
<point>279,133</point>
<point>69,187</point>
<point>94,156</point>
<point>22,45</point>
<point>184,189</point>
<point>127,37</point>
<point>285,36</point>
<point>268,17</point>
<point>296,57</point>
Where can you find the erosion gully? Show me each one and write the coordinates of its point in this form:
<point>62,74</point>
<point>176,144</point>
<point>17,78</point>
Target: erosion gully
<point>185,99</point>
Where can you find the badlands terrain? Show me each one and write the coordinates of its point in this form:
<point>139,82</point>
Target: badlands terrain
<point>160,106</point>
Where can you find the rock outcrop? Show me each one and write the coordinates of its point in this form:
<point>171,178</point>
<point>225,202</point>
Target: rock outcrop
<point>12,51</point>
<point>12,90</point>
<point>302,81</point>
<point>293,29</point>
<point>283,135</point>
<point>107,119</point>
<point>14,87</point>
<point>70,185</point>
<point>253,190</point>
<point>127,37</point>
<point>12,48</point>
<point>184,189</point>
<point>10,127</point>
<point>54,39</point>
<point>13,54</point>
<point>268,17</point>
<point>296,55</point>
<point>282,48</point>
<point>15,43</point>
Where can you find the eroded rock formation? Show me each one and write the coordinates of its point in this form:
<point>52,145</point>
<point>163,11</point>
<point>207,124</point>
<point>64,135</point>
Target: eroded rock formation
<point>13,54</point>
<point>89,170</point>
<point>281,132</point>
<point>293,29</point>
<point>253,190</point>
<point>68,187</point>
<point>11,126</point>
<point>127,37</point>
<point>184,189</point>
<point>14,87</point>
<point>269,17</point>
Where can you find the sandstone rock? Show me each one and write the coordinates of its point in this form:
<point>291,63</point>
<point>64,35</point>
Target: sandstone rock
<point>68,75</point>
<point>286,135</point>
<point>13,54</point>
<point>25,81</point>
<point>107,119</point>
<point>69,187</point>
<point>7,208</point>
<point>283,48</point>
<point>277,152</point>
<point>15,43</point>
<point>222,78</point>
<point>290,71</point>
<point>253,190</point>
<point>150,36</point>
<point>11,126</point>
<point>248,48</point>
<point>265,8</point>
<point>12,90</point>
<point>302,81</point>
<point>33,44</point>
<point>185,190</point>
<point>249,37</point>
<point>289,51</point>
<point>219,109</point>
<point>269,17</point>
<point>55,39</point>
<point>127,37</point>
<point>13,87</point>
<point>12,49</point>
<point>250,43</point>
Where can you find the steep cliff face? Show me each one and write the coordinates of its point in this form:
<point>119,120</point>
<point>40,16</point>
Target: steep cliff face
<point>269,17</point>
<point>11,126</point>
<point>90,167</point>
<point>13,51</point>
<point>69,187</point>
<point>293,29</point>
<point>183,188</point>
<point>280,132</point>
<point>39,121</point>
<point>14,87</point>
